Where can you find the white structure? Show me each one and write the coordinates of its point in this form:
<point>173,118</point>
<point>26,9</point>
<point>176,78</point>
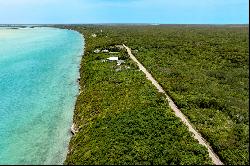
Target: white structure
<point>94,35</point>
<point>113,58</point>
<point>97,51</point>
<point>105,50</point>
<point>119,62</point>
<point>120,47</point>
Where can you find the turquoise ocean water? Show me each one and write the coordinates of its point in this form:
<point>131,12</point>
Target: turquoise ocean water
<point>39,68</point>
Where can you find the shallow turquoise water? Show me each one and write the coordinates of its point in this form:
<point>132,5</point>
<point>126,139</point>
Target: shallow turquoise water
<point>38,88</point>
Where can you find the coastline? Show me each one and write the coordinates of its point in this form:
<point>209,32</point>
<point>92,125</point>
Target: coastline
<point>102,100</point>
<point>95,148</point>
<point>73,128</point>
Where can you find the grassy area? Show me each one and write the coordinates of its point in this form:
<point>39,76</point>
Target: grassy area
<point>121,117</point>
<point>203,68</point>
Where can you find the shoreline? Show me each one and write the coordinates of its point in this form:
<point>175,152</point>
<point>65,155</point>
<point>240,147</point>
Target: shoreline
<point>74,152</point>
<point>73,128</point>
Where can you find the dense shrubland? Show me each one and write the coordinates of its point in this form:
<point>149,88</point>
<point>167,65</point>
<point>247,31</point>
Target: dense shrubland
<point>203,68</point>
<point>120,116</point>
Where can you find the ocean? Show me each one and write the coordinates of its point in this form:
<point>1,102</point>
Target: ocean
<point>39,68</point>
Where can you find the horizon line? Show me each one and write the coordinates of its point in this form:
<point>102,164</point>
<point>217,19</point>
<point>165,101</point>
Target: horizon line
<point>124,23</point>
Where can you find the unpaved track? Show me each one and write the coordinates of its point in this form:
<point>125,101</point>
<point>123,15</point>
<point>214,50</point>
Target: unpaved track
<point>177,112</point>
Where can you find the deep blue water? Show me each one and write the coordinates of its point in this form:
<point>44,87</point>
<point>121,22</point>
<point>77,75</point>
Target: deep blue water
<point>39,68</point>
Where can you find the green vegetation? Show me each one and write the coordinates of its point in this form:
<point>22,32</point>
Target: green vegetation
<point>121,117</point>
<point>204,69</point>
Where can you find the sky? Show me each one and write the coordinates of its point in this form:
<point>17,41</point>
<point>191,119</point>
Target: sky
<point>124,11</point>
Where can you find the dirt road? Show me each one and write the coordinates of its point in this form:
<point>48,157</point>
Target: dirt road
<point>177,112</point>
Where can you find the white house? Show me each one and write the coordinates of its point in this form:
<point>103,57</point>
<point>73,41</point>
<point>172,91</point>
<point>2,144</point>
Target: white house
<point>113,58</point>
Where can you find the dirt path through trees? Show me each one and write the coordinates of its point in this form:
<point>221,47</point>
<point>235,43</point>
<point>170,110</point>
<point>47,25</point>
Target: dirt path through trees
<point>177,112</point>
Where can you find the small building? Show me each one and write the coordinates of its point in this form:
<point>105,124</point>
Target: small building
<point>97,51</point>
<point>113,58</point>
<point>120,47</point>
<point>119,62</point>
<point>105,50</point>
